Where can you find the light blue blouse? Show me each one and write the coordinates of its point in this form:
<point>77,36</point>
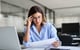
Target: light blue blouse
<point>46,36</point>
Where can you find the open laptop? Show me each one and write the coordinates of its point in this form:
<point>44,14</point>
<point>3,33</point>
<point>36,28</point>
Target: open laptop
<point>9,38</point>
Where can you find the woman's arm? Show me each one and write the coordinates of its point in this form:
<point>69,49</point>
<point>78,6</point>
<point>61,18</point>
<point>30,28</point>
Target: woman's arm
<point>27,33</point>
<point>53,33</point>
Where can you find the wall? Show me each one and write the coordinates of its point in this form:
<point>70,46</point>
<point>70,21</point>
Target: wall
<point>66,19</point>
<point>0,6</point>
<point>10,20</point>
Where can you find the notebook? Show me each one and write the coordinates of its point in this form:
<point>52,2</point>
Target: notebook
<point>9,38</point>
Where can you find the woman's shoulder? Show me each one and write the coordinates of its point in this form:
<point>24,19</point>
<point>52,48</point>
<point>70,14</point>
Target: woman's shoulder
<point>48,24</point>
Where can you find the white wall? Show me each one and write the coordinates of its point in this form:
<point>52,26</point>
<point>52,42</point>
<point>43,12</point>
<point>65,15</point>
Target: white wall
<point>2,20</point>
<point>0,6</point>
<point>15,21</point>
<point>66,19</point>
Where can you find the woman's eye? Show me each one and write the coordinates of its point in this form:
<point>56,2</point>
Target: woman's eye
<point>34,18</point>
<point>38,16</point>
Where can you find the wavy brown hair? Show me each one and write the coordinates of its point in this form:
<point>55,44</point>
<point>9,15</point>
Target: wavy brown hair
<point>35,9</point>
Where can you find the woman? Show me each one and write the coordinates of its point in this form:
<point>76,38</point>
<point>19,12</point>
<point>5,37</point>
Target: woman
<point>38,30</point>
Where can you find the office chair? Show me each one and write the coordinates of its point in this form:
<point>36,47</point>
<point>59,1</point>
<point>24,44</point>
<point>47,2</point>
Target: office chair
<point>20,36</point>
<point>66,40</point>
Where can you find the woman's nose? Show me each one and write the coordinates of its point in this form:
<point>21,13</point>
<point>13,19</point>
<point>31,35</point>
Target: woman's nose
<point>37,20</point>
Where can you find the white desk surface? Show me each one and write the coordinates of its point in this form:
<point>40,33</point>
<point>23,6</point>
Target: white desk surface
<point>62,47</point>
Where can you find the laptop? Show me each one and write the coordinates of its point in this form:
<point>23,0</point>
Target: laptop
<point>9,38</point>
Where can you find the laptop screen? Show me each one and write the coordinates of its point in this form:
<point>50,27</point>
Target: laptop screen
<point>9,38</point>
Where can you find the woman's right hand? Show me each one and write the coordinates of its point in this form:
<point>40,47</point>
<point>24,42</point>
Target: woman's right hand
<point>29,21</point>
<point>27,33</point>
<point>56,43</point>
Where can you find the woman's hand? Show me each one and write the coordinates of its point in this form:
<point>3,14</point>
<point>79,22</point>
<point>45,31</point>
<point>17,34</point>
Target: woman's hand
<point>56,43</point>
<point>27,33</point>
<point>29,21</point>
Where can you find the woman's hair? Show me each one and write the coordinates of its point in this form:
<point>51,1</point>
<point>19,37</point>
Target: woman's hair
<point>35,9</point>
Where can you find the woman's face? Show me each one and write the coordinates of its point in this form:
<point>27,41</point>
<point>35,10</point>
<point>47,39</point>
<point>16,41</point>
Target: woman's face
<point>37,18</point>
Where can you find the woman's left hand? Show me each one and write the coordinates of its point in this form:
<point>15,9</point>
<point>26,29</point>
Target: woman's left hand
<point>56,43</point>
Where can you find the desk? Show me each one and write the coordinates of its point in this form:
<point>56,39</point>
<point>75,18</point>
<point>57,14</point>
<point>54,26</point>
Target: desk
<point>62,47</point>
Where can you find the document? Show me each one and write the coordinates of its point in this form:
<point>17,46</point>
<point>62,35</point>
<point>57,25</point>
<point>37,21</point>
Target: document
<point>43,43</point>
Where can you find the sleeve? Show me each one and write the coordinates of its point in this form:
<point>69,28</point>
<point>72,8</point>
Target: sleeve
<point>27,44</point>
<point>53,32</point>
